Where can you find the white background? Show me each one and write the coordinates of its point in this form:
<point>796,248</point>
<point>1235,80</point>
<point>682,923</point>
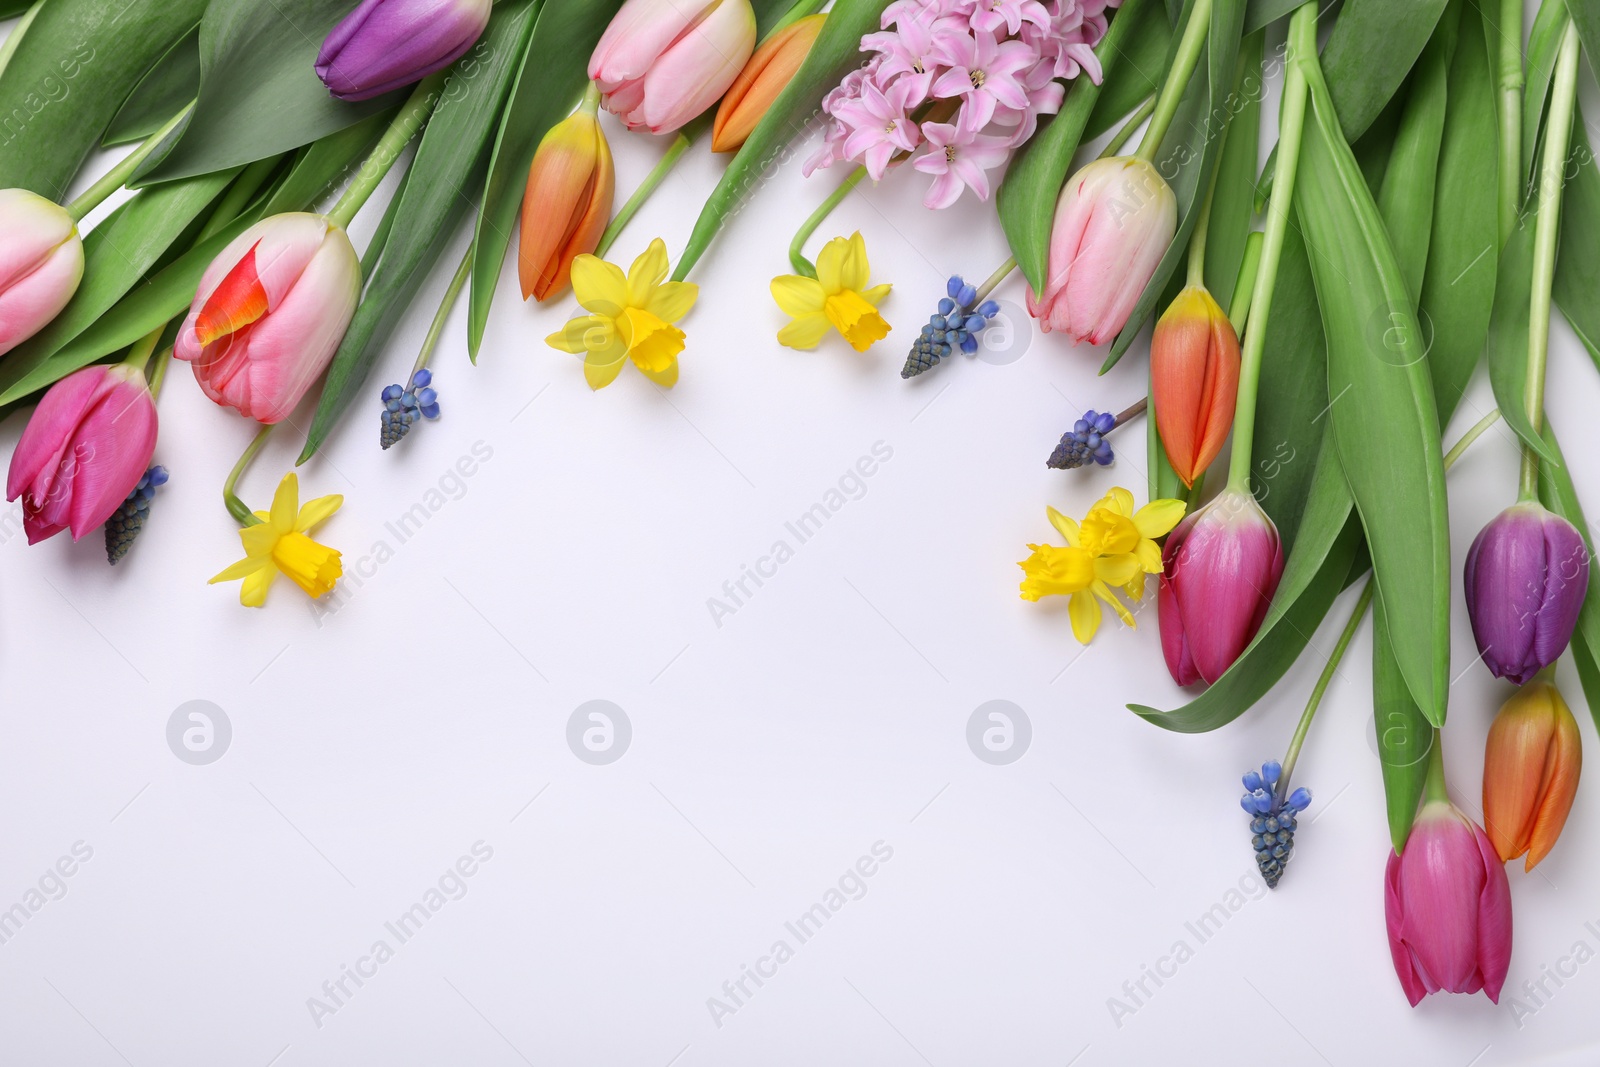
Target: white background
<point>374,744</point>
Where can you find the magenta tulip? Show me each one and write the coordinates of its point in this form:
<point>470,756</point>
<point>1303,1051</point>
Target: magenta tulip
<point>662,62</point>
<point>1526,576</point>
<point>385,44</point>
<point>1113,224</point>
<point>271,311</point>
<point>41,263</point>
<point>1448,907</point>
<point>83,451</point>
<point>1220,568</point>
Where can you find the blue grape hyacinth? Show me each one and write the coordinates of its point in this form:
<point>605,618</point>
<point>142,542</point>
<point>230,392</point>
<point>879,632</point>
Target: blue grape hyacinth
<point>1272,819</point>
<point>129,518</point>
<point>404,406</point>
<point>956,324</point>
<point>1085,442</point>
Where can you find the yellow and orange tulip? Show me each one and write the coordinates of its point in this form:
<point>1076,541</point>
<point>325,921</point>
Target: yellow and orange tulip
<point>567,204</point>
<point>1530,772</point>
<point>1194,381</point>
<point>765,76</point>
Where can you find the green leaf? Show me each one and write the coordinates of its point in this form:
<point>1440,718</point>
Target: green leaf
<point>1557,493</point>
<point>1263,13</point>
<point>1189,152</point>
<point>1459,280</point>
<point>452,157</point>
<point>13,8</point>
<point>1544,41</point>
<point>1381,401</point>
<point>1578,259</point>
<point>1370,52</point>
<point>1027,198</point>
<point>259,91</point>
<point>548,86</point>
<point>1586,17</point>
<point>1140,63</point>
<point>321,166</point>
<point>161,94</point>
<point>1508,332</point>
<point>72,71</point>
<point>1233,202</point>
<point>1404,734</point>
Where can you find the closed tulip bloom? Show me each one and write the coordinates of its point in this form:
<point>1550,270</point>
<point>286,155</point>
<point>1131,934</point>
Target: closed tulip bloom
<point>1194,380</point>
<point>1447,904</point>
<point>762,79</point>
<point>1220,568</point>
<point>41,264</point>
<point>662,62</point>
<point>270,313</point>
<point>1526,576</point>
<point>385,44</point>
<point>84,450</point>
<point>1113,224</point>
<point>567,205</point>
<point>1530,773</point>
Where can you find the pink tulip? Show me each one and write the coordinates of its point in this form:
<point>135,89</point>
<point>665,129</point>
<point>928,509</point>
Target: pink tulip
<point>1220,568</point>
<point>1448,907</point>
<point>41,263</point>
<point>1113,224</point>
<point>271,311</point>
<point>83,451</point>
<point>662,62</point>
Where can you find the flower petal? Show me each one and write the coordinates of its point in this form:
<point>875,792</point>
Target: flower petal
<point>1157,518</point>
<point>806,331</point>
<point>318,511</point>
<point>285,504</point>
<point>797,295</point>
<point>1084,610</point>
<point>1067,527</point>
<point>599,286</point>
<point>671,301</point>
<point>647,272</point>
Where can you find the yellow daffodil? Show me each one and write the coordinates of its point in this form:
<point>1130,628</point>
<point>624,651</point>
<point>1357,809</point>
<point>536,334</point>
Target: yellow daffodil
<point>1077,573</point>
<point>1113,527</point>
<point>838,296</point>
<point>631,317</point>
<point>279,544</point>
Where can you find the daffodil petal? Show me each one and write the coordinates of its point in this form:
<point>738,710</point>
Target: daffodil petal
<point>285,504</point>
<point>1135,586</point>
<point>797,295</point>
<point>318,511</point>
<point>1103,591</point>
<point>586,333</point>
<point>806,331</point>
<point>1149,554</point>
<point>647,272</point>
<point>875,295</point>
<point>830,265</point>
<point>666,377</point>
<point>1158,517</point>
<point>671,301</point>
<point>243,568</point>
<point>1116,570</point>
<point>600,287</point>
<point>253,593</point>
<point>854,271</point>
<point>1084,611</point>
<point>1065,526</point>
<point>600,369</point>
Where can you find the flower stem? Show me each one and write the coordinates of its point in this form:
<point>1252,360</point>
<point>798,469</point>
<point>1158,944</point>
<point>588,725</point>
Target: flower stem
<point>1433,789</point>
<point>451,294</point>
<point>1115,144</point>
<point>15,37</point>
<point>1328,671</point>
<point>1202,229</point>
<point>118,176</point>
<point>139,354</point>
<point>158,374</point>
<point>404,127</point>
<point>236,507</point>
<point>1133,411</point>
<point>238,196</point>
<point>1547,230</point>
<point>1291,124</point>
<point>1509,80</point>
<point>800,10</point>
<point>686,137</point>
<point>1244,286</point>
<point>1475,432</point>
<point>1183,64</point>
<point>1001,274</point>
<point>801,264</point>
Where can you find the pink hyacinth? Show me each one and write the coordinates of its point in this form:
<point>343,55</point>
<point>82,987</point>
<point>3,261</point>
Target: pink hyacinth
<point>1001,62</point>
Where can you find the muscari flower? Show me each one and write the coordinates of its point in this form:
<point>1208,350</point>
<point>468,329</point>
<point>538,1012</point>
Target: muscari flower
<point>127,522</point>
<point>631,318</point>
<point>1085,442</point>
<point>1272,819</point>
<point>278,544</point>
<point>956,324</point>
<point>404,405</point>
<point>838,297</point>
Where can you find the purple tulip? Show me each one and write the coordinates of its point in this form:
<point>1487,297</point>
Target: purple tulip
<point>1220,568</point>
<point>384,44</point>
<point>1526,576</point>
<point>1447,904</point>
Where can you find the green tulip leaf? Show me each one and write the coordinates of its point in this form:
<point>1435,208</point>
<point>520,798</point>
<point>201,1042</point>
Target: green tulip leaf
<point>70,74</point>
<point>1404,735</point>
<point>1508,332</point>
<point>1557,493</point>
<point>1578,259</point>
<point>1586,16</point>
<point>1234,197</point>
<point>1406,195</point>
<point>1544,41</point>
<point>161,94</point>
<point>1263,13</point>
<point>548,86</point>
<point>453,156</point>
<point>1369,53</point>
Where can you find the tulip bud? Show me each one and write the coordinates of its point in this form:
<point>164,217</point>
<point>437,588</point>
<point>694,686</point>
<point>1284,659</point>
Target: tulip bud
<point>1447,904</point>
<point>1530,773</point>
<point>567,204</point>
<point>1220,568</point>
<point>1113,224</point>
<point>1526,576</point>
<point>385,44</point>
<point>270,312</point>
<point>1194,380</point>
<point>83,451</point>
<point>41,264</point>
<point>662,62</point>
<point>766,75</point>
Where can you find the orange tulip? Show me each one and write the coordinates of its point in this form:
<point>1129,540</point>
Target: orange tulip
<point>1530,772</point>
<point>1194,380</point>
<point>568,201</point>
<point>765,76</point>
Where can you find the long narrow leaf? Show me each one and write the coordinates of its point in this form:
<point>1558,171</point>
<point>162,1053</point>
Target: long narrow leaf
<point>160,94</point>
<point>1508,333</point>
<point>1404,734</point>
<point>1578,262</point>
<point>1371,50</point>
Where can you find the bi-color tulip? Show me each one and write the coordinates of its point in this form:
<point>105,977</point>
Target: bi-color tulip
<point>84,450</point>
<point>1113,224</point>
<point>270,313</point>
<point>1194,380</point>
<point>385,44</point>
<point>1447,904</point>
<point>567,204</point>
<point>41,264</point>
<point>1220,568</point>
<point>662,62</point>
<point>766,75</point>
<point>1530,773</point>
<point>1526,576</point>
